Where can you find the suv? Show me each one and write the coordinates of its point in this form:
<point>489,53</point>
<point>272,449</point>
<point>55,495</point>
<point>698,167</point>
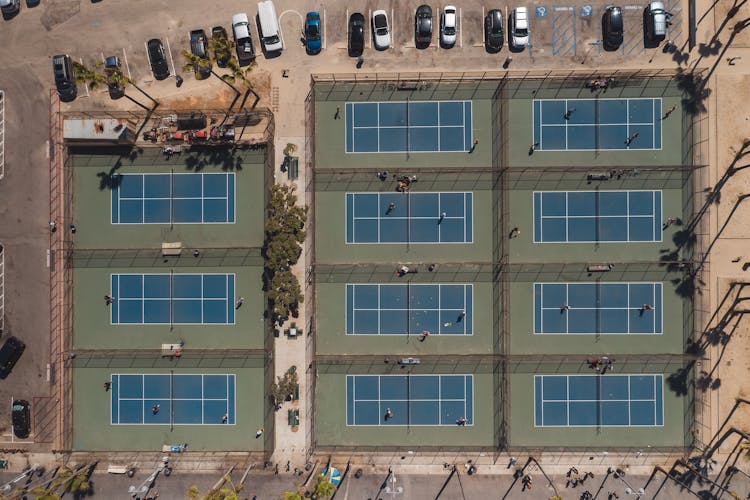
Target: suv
<point>656,21</point>
<point>21,417</point>
<point>65,77</point>
<point>115,78</point>
<point>612,28</point>
<point>519,27</point>
<point>198,42</point>
<point>493,31</point>
<point>157,58</point>
<point>243,39</point>
<point>9,354</point>
<point>356,34</point>
<point>423,26</point>
<point>448,26</point>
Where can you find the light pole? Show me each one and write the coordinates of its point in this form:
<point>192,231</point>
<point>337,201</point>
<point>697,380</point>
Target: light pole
<point>391,488</point>
<point>620,474</point>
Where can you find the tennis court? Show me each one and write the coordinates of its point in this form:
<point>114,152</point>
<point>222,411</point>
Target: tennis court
<point>597,216</point>
<point>408,126</point>
<point>172,298</point>
<point>586,124</point>
<point>173,399</point>
<point>183,198</point>
<point>437,217</point>
<point>594,308</point>
<point>411,399</point>
<point>385,309</point>
<point>598,400</point>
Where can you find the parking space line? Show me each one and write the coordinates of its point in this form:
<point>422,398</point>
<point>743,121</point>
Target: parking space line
<point>564,31</point>
<point>393,30</point>
<point>85,84</point>
<point>127,66</point>
<point>461,27</point>
<point>324,29</point>
<point>674,22</point>
<point>632,43</point>
<point>369,23</point>
<point>169,51</point>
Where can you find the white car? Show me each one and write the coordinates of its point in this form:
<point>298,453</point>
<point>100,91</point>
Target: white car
<point>448,26</point>
<point>519,27</point>
<point>380,30</point>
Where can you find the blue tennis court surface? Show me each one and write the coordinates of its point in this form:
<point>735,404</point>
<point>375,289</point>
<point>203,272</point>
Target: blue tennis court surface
<point>180,299</point>
<point>408,126</point>
<point>190,198</point>
<point>597,124</point>
<point>598,400</point>
<point>412,217</point>
<point>409,309</point>
<point>597,216</point>
<point>586,308</point>
<point>181,399</point>
<point>412,399</point>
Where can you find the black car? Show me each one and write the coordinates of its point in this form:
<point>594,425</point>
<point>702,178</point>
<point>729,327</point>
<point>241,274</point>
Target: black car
<point>199,47</point>
<point>493,31</point>
<point>222,51</point>
<point>423,26</point>
<point>612,28</point>
<point>157,58</point>
<point>65,77</point>
<point>9,355</point>
<point>356,34</point>
<point>115,79</point>
<point>21,416</point>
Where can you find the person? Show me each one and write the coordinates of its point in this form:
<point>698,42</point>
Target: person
<point>442,217</point>
<point>225,418</point>
<point>72,228</point>
<point>196,253</point>
<point>461,421</point>
<point>259,433</point>
<point>107,386</point>
<point>388,413</point>
<point>461,316</point>
<point>155,409</point>
<point>108,299</point>
<point>648,307</point>
<point>240,301</point>
<point>52,226</point>
<point>423,336</point>
<point>431,267</point>
<point>564,307</point>
<point>391,207</point>
<point>515,232</point>
<point>403,270</point>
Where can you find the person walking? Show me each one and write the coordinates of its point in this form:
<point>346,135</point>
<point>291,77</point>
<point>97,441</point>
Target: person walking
<point>669,112</point>
<point>423,336</point>
<point>259,433</point>
<point>240,301</point>
<point>568,113</point>
<point>515,233</point>
<point>630,139</point>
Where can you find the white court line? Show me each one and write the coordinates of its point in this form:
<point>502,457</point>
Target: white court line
<point>127,66</point>
<point>169,51</point>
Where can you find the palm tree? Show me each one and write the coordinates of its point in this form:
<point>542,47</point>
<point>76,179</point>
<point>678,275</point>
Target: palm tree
<point>87,76</point>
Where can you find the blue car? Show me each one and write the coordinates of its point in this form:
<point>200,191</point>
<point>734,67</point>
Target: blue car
<point>313,42</point>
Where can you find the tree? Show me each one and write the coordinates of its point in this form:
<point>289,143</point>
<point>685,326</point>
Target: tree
<point>224,490</point>
<point>87,76</point>
<point>197,63</point>
<point>284,386</point>
<point>284,293</point>
<point>323,488</point>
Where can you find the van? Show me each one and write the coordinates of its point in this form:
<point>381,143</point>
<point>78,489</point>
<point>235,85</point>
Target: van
<point>9,354</point>
<point>269,27</point>
<point>656,21</point>
<point>65,78</point>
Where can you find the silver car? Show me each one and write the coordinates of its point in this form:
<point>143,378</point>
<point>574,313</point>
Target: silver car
<point>448,26</point>
<point>380,30</point>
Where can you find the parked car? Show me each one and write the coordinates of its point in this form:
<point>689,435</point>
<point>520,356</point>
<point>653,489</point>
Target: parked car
<point>612,28</point>
<point>221,46</point>
<point>243,39</point>
<point>656,22</point>
<point>10,7</point>
<point>270,34</point>
<point>313,40</point>
<point>356,34</point>
<point>423,26</point>
<point>21,417</point>
<point>519,27</point>
<point>9,355</point>
<point>380,31</point>
<point>115,78</point>
<point>493,31</point>
<point>157,58</point>
<point>448,26</point>
<point>65,77</point>
<point>198,46</point>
